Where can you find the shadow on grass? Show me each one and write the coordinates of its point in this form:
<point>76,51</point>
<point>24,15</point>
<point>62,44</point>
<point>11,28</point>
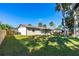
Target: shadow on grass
<point>46,51</point>
<point>12,47</point>
<point>63,50</point>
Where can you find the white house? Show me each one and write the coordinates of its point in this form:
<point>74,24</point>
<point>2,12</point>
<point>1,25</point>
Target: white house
<point>29,30</point>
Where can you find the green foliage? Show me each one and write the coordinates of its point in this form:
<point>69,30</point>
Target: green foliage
<point>45,25</point>
<point>8,28</point>
<point>59,27</point>
<point>65,6</point>
<point>51,24</point>
<point>5,26</point>
<point>29,24</point>
<point>67,15</point>
<point>69,20</point>
<point>40,24</point>
<point>70,23</point>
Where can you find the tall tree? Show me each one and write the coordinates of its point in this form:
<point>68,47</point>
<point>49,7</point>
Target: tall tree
<point>59,27</point>
<point>51,24</point>
<point>70,23</point>
<point>40,24</point>
<point>63,7</point>
<point>29,24</point>
<point>44,25</point>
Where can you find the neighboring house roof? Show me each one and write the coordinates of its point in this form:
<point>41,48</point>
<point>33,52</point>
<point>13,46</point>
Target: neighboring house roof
<point>41,28</point>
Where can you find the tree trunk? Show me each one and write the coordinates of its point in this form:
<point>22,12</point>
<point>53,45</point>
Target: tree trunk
<point>75,25</point>
<point>63,14</point>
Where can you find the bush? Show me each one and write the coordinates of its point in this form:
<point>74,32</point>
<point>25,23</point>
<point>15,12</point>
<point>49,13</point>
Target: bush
<point>10,32</point>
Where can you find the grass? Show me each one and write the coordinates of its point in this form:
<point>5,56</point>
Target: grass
<point>39,46</point>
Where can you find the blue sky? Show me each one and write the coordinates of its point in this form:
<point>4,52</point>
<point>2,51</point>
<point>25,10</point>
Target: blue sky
<point>25,13</point>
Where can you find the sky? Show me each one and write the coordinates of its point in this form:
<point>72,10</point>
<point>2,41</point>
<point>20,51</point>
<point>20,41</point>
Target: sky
<point>29,13</point>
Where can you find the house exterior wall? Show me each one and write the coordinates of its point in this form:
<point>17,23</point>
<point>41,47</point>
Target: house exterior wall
<point>36,32</point>
<point>22,30</point>
<point>26,31</point>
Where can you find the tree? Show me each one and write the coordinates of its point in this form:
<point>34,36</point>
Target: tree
<point>51,24</point>
<point>5,26</point>
<point>63,7</point>
<point>59,27</point>
<point>0,25</point>
<point>9,26</point>
<point>29,24</point>
<point>40,24</point>
<point>69,20</point>
<point>70,23</point>
<point>44,25</point>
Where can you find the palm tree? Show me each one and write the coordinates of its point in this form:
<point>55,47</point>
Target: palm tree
<point>44,25</point>
<point>29,24</point>
<point>40,24</point>
<point>51,24</point>
<point>63,7</point>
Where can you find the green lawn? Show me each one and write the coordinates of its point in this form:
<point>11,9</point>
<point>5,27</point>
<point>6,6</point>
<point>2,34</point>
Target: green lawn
<point>39,45</point>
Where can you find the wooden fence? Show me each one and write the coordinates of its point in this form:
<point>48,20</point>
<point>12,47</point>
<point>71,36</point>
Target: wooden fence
<point>2,35</point>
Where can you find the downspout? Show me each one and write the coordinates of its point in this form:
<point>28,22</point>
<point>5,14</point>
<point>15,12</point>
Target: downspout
<point>26,31</point>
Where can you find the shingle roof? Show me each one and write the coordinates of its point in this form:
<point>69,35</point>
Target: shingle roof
<point>32,27</point>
